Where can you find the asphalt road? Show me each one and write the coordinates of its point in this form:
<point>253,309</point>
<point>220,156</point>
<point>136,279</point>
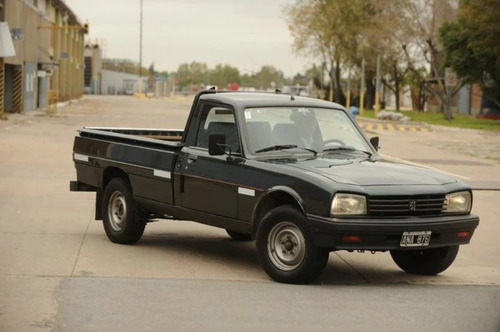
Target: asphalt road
<point>58,271</point>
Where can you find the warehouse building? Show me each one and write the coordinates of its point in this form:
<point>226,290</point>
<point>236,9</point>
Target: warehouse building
<point>46,65</point>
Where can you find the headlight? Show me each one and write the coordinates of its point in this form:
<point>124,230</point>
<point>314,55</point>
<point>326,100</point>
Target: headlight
<point>348,205</point>
<point>458,202</point>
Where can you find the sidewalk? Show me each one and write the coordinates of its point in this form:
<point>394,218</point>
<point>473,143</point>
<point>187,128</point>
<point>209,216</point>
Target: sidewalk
<point>376,124</point>
<point>472,155</point>
<point>11,119</point>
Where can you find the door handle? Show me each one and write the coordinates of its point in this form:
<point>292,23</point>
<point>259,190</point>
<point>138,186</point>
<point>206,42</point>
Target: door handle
<point>192,159</point>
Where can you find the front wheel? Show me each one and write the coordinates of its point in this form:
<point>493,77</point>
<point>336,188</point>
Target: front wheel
<point>425,261</point>
<point>123,220</point>
<point>286,249</point>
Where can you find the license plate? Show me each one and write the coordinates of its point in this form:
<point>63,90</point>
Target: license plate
<point>415,239</point>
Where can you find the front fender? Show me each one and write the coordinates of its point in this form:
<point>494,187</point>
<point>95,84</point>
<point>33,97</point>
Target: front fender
<point>272,198</point>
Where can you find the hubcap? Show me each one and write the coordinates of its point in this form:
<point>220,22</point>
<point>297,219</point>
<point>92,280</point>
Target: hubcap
<point>117,211</point>
<point>286,246</point>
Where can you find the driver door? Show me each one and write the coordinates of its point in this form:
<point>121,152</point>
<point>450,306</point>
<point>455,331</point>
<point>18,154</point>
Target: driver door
<point>207,184</point>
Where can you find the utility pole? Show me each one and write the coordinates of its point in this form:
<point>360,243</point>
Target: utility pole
<point>140,52</point>
<point>348,99</point>
<point>363,88</point>
<point>450,81</point>
<point>377,92</point>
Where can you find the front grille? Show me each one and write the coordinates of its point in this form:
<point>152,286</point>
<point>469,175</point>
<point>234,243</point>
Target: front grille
<point>428,205</point>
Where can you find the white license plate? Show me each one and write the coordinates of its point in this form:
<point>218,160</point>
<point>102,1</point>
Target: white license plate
<point>415,239</point>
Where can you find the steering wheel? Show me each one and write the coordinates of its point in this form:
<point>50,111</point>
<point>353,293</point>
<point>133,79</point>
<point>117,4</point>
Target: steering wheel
<point>333,140</point>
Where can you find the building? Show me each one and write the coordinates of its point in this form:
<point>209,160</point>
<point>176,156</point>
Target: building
<point>118,83</point>
<point>48,64</point>
<point>93,67</point>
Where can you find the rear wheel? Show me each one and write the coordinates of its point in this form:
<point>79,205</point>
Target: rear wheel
<point>123,220</point>
<point>286,249</point>
<point>425,261</point>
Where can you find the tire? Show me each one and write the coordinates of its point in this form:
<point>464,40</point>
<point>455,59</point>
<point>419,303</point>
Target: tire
<point>237,236</point>
<point>123,220</point>
<point>297,260</point>
<point>425,261</point>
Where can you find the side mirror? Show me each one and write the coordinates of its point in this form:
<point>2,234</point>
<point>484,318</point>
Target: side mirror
<point>374,142</point>
<point>216,144</point>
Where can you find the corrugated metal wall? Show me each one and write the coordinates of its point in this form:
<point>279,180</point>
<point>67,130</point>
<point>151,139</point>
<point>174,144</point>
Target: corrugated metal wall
<point>2,70</point>
<point>49,53</point>
<point>14,15</point>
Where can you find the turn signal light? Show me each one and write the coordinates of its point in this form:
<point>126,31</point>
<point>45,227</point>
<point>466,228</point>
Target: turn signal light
<point>351,238</point>
<point>463,234</point>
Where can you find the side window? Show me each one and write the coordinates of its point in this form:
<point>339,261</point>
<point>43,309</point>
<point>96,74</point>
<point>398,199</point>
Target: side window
<point>217,119</point>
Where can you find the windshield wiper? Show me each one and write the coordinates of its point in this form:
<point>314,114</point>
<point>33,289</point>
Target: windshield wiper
<point>276,147</point>
<point>285,147</point>
<point>348,149</point>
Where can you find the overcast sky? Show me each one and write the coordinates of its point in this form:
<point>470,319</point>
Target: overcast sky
<point>246,34</point>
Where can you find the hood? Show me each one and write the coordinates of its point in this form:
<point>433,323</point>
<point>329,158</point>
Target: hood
<point>364,172</point>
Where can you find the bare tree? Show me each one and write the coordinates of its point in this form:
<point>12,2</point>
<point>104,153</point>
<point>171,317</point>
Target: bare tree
<point>427,17</point>
<point>326,30</point>
<point>341,33</point>
<point>392,34</point>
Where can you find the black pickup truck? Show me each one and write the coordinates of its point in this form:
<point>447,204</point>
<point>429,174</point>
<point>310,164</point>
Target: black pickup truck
<point>296,174</point>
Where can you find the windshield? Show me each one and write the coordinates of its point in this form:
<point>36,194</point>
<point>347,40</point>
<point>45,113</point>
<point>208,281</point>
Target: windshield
<point>271,129</point>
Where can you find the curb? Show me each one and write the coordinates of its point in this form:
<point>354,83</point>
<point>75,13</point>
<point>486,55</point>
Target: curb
<point>362,121</point>
<point>375,124</point>
<point>39,111</point>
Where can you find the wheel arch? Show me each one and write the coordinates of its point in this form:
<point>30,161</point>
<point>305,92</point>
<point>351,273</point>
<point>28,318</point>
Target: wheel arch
<point>108,174</point>
<point>275,197</point>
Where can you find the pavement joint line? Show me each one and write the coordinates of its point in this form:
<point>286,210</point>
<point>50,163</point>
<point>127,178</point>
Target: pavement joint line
<point>72,274</point>
<point>352,268</point>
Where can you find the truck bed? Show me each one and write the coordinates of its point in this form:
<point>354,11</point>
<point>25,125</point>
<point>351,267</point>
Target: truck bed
<point>147,136</point>
<point>146,156</point>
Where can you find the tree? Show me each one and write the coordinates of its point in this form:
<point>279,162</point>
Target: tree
<point>472,45</point>
<point>417,93</point>
<point>122,65</point>
<point>324,29</point>
<point>151,69</point>
<point>387,34</point>
<point>427,16</point>
<point>341,33</point>
<point>196,73</point>
<point>222,75</point>
<point>247,81</point>
<point>315,75</point>
<point>268,77</point>
<point>191,73</point>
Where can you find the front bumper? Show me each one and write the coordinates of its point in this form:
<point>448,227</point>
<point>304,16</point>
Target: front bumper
<point>385,234</point>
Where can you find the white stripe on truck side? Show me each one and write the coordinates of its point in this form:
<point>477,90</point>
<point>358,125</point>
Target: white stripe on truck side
<point>162,174</point>
<point>245,191</point>
<point>81,157</point>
